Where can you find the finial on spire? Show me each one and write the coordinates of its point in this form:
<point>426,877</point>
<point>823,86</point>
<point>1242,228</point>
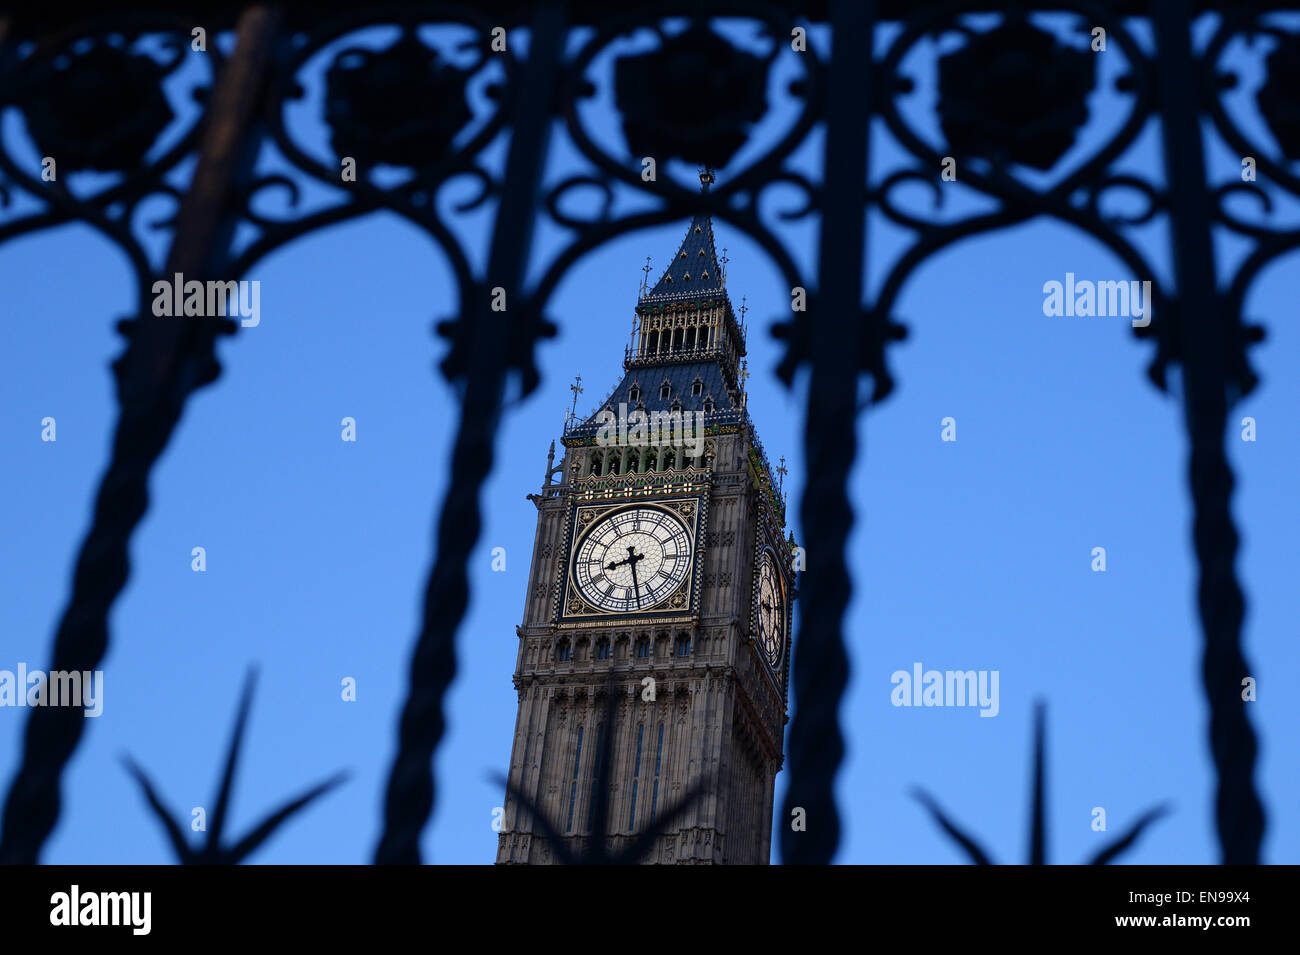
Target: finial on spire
<point>743,309</point>
<point>576,388</point>
<point>706,178</point>
<point>782,470</point>
<point>722,265</point>
<point>645,276</point>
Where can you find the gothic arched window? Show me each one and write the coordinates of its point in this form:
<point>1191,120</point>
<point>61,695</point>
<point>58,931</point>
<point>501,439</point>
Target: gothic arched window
<point>636,775</point>
<point>573,788</point>
<point>643,647</point>
<point>683,647</point>
<point>563,651</point>
<point>659,759</point>
<point>595,774</point>
<point>602,649</point>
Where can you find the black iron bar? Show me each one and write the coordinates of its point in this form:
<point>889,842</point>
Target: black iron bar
<point>410,796</point>
<point>1209,333</point>
<point>821,666</point>
<point>164,362</point>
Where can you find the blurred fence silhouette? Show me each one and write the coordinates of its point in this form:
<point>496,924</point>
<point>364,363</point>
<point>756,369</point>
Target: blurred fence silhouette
<point>1011,98</point>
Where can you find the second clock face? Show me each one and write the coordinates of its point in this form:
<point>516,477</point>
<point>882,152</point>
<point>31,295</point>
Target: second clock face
<point>771,608</point>
<point>632,560</point>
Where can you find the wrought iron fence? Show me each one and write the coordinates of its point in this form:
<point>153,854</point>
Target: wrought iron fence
<point>377,108</point>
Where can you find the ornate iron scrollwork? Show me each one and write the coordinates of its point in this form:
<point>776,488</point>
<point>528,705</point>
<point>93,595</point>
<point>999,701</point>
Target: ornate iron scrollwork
<point>99,108</point>
<point>92,99</point>
<point>694,98</point>
<point>1014,94</point>
<point>377,102</point>
<point>1279,97</point>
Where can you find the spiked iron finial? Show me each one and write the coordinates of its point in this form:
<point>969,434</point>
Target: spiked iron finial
<point>1038,812</point>
<point>215,850</point>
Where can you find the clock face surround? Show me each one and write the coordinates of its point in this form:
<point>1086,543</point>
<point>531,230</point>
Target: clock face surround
<point>771,608</point>
<point>633,559</point>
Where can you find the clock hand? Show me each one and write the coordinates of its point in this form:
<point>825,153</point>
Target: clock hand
<point>632,558</point>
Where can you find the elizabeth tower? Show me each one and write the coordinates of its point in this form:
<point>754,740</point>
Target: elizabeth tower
<point>661,574</point>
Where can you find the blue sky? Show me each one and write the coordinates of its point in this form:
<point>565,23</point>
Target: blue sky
<point>966,555</point>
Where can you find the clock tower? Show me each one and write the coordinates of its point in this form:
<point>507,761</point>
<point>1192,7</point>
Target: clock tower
<point>661,574</point>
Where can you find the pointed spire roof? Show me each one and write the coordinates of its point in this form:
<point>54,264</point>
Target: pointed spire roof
<point>694,271</point>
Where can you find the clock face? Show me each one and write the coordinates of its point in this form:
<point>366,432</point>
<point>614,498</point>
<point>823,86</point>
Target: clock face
<point>771,608</point>
<point>632,560</point>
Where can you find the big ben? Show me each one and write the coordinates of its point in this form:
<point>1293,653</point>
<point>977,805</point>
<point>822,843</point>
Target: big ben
<point>661,575</point>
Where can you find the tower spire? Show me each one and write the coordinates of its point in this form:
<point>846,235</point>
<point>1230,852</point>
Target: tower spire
<point>686,315</point>
<point>694,273</point>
